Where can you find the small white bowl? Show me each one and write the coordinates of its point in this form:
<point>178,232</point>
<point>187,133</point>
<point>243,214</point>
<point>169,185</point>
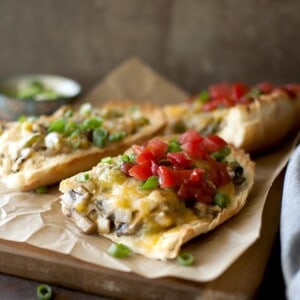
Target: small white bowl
<point>11,107</point>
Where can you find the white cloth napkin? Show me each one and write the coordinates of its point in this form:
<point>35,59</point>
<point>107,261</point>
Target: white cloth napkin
<point>290,227</point>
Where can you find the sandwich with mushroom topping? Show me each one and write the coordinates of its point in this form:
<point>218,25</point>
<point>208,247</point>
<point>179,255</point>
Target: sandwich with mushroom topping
<point>41,151</point>
<point>161,194</point>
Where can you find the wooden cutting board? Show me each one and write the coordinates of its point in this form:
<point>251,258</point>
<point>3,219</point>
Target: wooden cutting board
<point>240,281</point>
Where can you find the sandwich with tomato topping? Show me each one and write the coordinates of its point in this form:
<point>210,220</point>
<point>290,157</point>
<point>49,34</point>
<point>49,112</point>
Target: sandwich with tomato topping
<point>251,117</point>
<point>158,195</point>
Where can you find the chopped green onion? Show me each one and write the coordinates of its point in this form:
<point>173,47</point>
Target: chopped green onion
<point>133,108</point>
<point>75,140</point>
<point>70,127</point>
<point>31,140</point>
<point>31,90</point>
<point>150,183</point>
<point>203,96</point>
<point>221,200</point>
<point>221,154</point>
<point>42,190</point>
<point>57,126</point>
<point>85,109</point>
<point>117,136</point>
<point>82,177</point>
<point>92,123</point>
<point>119,250</point>
<point>100,137</point>
<point>174,146</point>
<point>113,113</point>
<point>69,113</point>
<point>254,92</point>
<point>22,119</point>
<point>107,160</point>
<point>44,292</point>
<point>185,258</point>
<point>128,158</point>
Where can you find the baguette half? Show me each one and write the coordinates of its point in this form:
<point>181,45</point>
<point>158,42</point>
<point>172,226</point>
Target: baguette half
<point>154,223</point>
<point>254,127</point>
<point>27,163</point>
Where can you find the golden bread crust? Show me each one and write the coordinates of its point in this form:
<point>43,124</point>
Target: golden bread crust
<point>253,127</point>
<point>167,245</point>
<point>41,170</point>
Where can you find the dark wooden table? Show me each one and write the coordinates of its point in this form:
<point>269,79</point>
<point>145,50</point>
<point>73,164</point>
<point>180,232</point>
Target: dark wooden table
<point>15,288</point>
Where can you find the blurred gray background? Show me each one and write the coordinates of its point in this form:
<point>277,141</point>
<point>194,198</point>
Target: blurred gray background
<point>192,42</point>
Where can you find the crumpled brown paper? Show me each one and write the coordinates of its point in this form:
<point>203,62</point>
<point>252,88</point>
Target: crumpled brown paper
<point>37,219</point>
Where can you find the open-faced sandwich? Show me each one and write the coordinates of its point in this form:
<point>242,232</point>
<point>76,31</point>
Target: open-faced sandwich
<point>35,152</point>
<point>253,118</point>
<point>160,194</point>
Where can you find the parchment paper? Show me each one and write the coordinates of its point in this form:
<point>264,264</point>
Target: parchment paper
<point>37,219</point>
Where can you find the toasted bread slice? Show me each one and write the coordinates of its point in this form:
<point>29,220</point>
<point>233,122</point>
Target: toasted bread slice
<point>45,150</point>
<point>254,127</point>
<point>153,222</point>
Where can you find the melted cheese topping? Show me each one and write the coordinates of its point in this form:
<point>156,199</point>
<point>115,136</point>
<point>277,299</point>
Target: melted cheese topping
<point>153,212</point>
<point>191,116</point>
<point>36,133</point>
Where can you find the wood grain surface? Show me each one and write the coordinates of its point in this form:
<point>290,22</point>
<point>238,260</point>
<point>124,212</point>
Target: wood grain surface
<point>193,43</point>
<point>240,281</point>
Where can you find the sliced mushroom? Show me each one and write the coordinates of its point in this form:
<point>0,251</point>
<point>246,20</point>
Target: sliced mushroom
<point>163,219</point>
<point>24,154</point>
<point>236,173</point>
<point>83,223</point>
<point>123,216</point>
<point>206,211</point>
<point>132,228</point>
<point>53,141</point>
<point>81,198</point>
<point>103,224</point>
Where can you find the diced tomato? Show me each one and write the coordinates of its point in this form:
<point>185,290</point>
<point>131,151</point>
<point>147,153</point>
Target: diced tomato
<point>141,171</point>
<point>217,172</point>
<point>221,90</point>
<point>265,87</point>
<point>227,102</point>
<point>224,176</point>
<point>218,103</point>
<point>213,143</point>
<point>197,176</point>
<point>292,89</point>
<point>125,167</point>
<point>194,150</point>
<point>238,90</point>
<point>190,135</point>
<point>154,167</point>
<point>166,177</point>
<point>158,148</point>
<point>144,156</point>
<point>186,192</point>
<point>206,199</point>
<point>137,149</point>
<point>246,100</point>
<point>154,151</point>
<point>189,177</point>
<point>182,176</point>
<point>179,159</point>
<point>211,105</point>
